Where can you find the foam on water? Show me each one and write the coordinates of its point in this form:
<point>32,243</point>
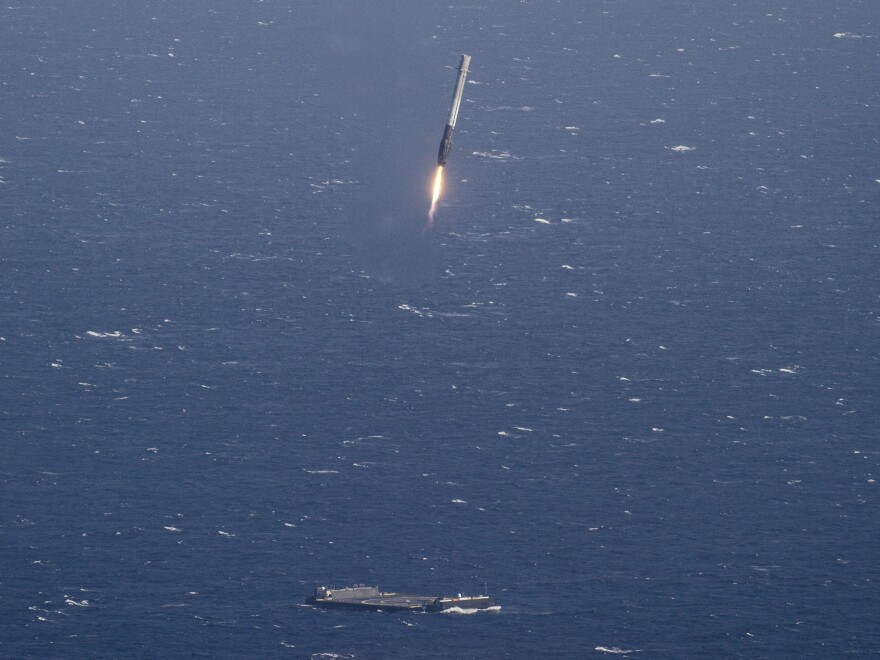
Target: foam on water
<point>615,650</point>
<point>470,611</point>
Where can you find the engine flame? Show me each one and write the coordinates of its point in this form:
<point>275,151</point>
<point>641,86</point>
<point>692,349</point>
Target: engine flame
<point>438,179</point>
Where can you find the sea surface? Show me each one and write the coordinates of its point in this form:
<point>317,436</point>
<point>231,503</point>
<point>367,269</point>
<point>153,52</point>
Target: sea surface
<point>627,382</point>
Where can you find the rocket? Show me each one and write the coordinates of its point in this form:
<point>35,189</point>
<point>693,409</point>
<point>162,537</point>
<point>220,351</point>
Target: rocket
<point>446,142</point>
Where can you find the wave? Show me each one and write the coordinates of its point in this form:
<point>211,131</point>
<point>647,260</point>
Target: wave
<point>470,610</point>
<point>496,155</point>
<point>615,651</point>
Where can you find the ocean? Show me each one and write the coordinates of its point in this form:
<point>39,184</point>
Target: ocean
<point>627,382</point>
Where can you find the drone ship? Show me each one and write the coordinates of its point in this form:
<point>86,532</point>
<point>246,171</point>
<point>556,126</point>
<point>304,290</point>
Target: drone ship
<point>362,597</point>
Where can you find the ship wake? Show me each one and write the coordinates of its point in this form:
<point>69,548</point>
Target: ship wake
<point>470,610</point>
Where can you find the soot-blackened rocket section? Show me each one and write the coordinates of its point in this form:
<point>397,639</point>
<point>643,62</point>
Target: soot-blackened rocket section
<point>446,142</point>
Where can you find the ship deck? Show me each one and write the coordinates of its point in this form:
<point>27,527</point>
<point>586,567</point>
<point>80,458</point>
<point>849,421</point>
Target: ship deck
<point>389,601</point>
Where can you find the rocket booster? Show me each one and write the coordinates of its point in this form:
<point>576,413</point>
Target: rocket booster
<point>446,142</point>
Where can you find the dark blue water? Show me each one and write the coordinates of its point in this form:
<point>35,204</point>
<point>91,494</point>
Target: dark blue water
<point>629,380</point>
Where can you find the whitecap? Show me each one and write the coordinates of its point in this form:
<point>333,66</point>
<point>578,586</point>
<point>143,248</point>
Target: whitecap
<point>462,610</point>
<point>614,650</point>
<point>413,310</point>
<point>496,155</point>
<point>681,148</point>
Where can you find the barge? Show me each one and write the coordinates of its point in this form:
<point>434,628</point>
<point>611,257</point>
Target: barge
<point>362,597</point>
